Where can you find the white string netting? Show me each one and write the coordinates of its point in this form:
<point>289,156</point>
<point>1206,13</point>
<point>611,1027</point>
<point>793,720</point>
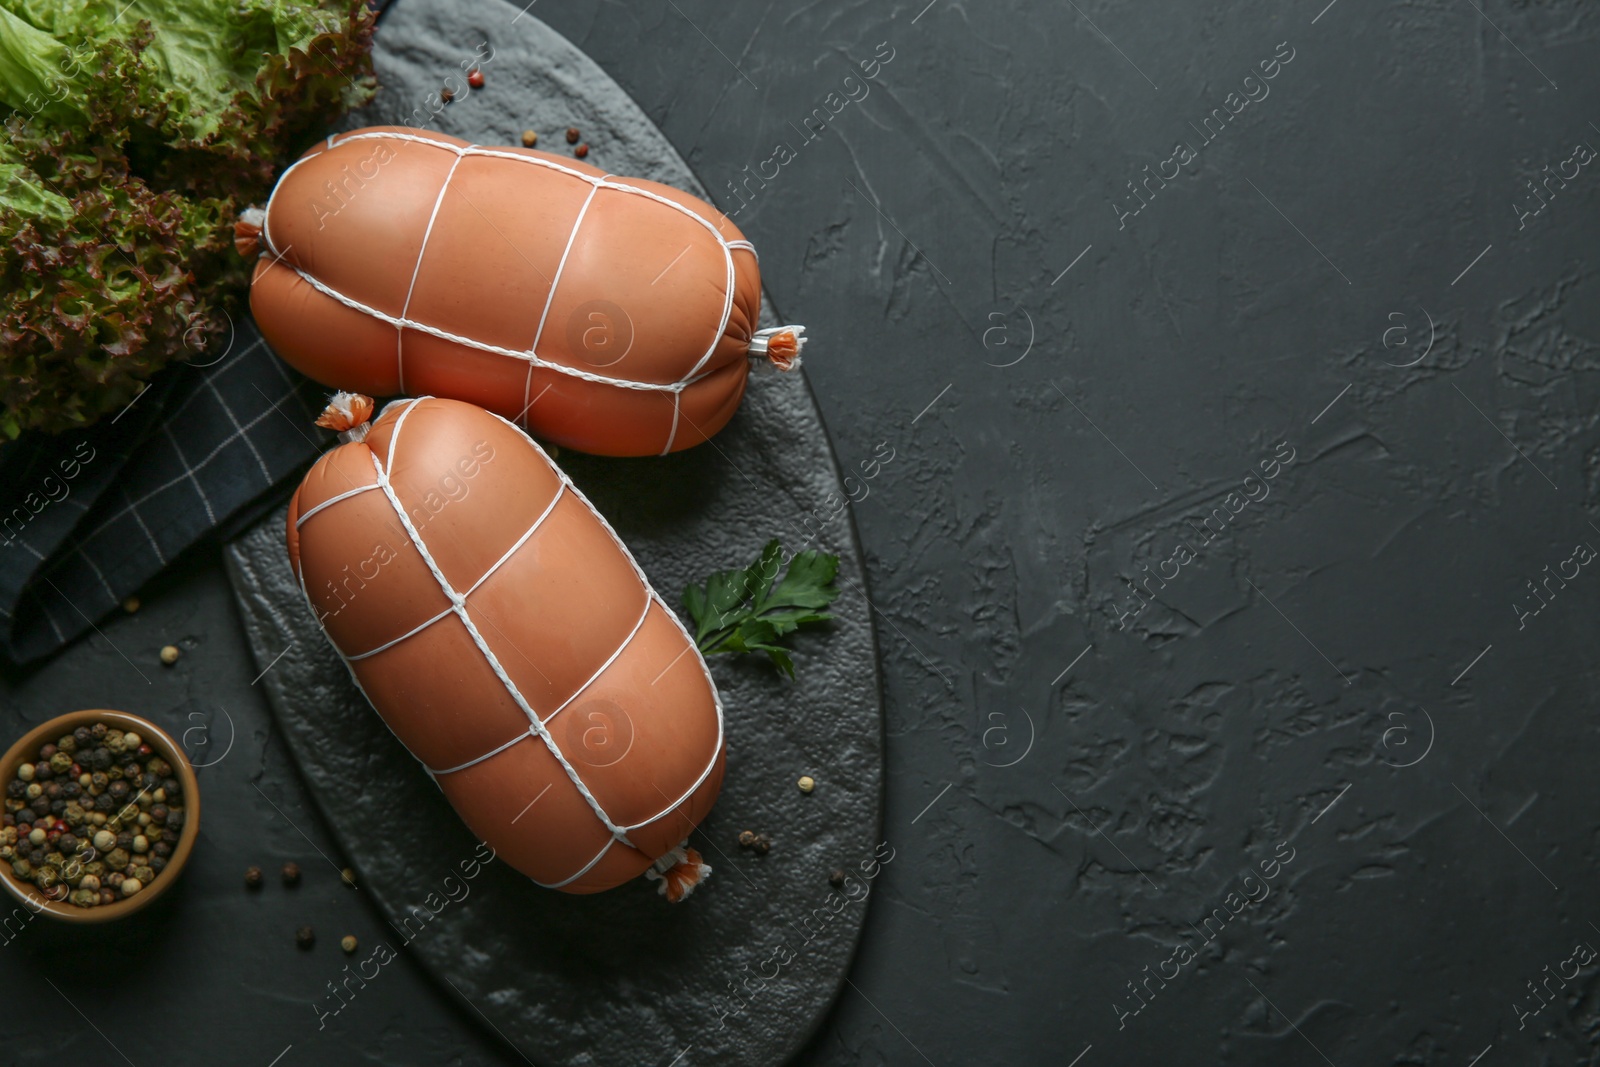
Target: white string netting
<point>458,607</point>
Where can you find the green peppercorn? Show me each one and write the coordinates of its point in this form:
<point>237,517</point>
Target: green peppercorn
<point>117,858</point>
<point>22,868</point>
<point>67,744</point>
<point>61,763</point>
<point>144,873</point>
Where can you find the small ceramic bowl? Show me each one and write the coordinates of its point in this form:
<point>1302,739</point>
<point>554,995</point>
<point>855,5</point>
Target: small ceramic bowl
<point>28,747</point>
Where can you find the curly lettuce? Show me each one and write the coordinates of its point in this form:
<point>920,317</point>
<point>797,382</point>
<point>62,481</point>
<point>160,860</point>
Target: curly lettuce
<point>134,132</point>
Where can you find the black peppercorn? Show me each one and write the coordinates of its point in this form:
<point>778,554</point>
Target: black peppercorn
<point>58,807</point>
<point>103,802</point>
<point>101,759</point>
<point>762,845</point>
<point>172,788</point>
<point>836,879</point>
<point>305,937</point>
<point>46,751</point>
<point>82,736</point>
<point>72,790</point>
<point>67,843</point>
<point>98,731</point>
<point>43,771</point>
<point>131,771</point>
<point>252,877</point>
<point>41,806</point>
<point>158,863</point>
<point>17,789</point>
<point>175,819</point>
<point>148,780</point>
<point>291,873</point>
<point>125,841</point>
<point>158,813</point>
<point>161,849</point>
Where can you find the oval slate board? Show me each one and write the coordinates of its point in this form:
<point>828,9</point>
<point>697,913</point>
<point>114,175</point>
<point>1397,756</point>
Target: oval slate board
<point>621,977</point>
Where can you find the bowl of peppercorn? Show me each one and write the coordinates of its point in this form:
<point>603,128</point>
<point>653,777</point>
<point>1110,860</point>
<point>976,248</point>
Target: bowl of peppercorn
<point>101,813</point>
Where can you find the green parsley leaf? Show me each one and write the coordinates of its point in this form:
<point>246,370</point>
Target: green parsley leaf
<point>751,609</point>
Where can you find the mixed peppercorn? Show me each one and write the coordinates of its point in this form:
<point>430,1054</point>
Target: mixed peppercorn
<point>94,818</point>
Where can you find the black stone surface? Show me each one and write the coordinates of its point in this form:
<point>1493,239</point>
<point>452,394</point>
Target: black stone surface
<point>744,971</point>
<point>1416,909</point>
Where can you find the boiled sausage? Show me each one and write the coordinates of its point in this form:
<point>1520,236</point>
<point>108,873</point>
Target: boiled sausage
<point>610,315</point>
<point>510,642</point>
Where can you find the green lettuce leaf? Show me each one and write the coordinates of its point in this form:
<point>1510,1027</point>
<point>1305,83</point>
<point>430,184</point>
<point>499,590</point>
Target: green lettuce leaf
<point>134,134</point>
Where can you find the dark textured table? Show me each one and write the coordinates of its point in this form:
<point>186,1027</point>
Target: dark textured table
<point>1320,380</point>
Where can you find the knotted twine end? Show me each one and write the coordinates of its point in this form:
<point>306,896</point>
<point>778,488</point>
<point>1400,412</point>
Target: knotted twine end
<point>247,231</point>
<point>679,871</point>
<point>348,413</point>
<point>781,345</point>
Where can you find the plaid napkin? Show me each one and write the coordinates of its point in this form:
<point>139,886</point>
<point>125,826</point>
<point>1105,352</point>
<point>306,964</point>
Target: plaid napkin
<point>88,518</point>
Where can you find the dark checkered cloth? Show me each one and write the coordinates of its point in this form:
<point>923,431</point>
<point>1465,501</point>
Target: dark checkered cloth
<point>87,518</point>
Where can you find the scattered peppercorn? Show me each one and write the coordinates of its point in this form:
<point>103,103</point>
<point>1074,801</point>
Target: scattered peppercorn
<point>762,845</point>
<point>475,78</point>
<point>581,151</point>
<point>746,838</point>
<point>252,877</point>
<point>170,654</point>
<point>291,873</point>
<point>131,605</point>
<point>305,937</point>
<point>806,783</point>
<point>348,875</point>
<point>446,94</point>
<point>572,135</point>
<point>529,138</point>
<point>348,943</point>
<point>836,879</point>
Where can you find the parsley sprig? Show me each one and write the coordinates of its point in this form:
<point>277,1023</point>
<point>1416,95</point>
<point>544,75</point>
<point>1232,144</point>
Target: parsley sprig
<point>751,610</point>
